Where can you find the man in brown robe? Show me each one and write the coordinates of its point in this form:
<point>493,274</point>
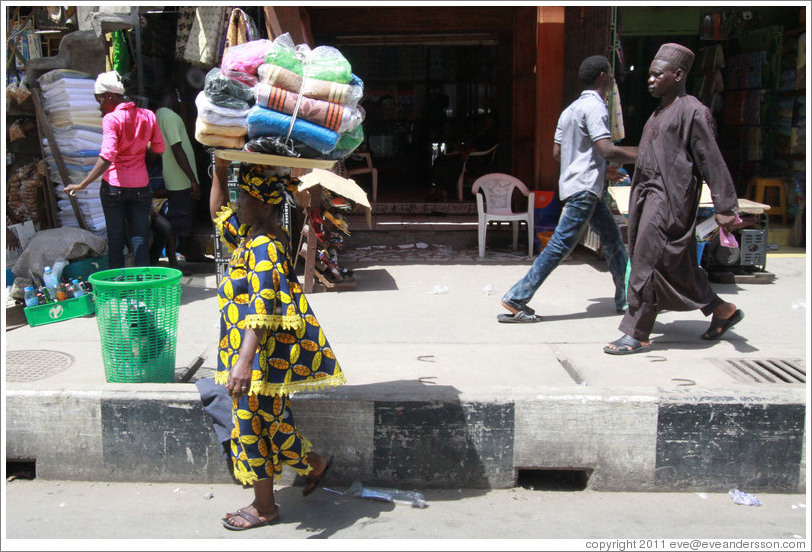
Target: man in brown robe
<point>677,152</point>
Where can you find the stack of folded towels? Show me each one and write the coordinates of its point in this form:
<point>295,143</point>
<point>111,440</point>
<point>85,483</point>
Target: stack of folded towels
<point>76,123</point>
<point>284,99</point>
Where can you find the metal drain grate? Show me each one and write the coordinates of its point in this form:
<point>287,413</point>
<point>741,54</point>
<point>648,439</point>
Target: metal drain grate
<point>25,366</point>
<point>771,370</point>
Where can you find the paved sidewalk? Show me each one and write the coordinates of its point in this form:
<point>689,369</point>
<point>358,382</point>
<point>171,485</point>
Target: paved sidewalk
<point>423,330</point>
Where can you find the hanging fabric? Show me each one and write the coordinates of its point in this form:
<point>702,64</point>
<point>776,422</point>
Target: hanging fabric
<point>237,32</point>
<point>120,54</point>
<point>617,128</point>
<point>204,36</point>
<point>186,16</point>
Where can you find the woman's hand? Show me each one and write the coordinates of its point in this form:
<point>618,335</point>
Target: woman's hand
<point>95,173</point>
<point>239,377</point>
<point>239,380</point>
<point>72,188</point>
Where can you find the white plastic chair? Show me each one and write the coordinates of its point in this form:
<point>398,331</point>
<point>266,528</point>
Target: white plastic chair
<point>369,169</point>
<point>497,189</point>
<point>461,180</point>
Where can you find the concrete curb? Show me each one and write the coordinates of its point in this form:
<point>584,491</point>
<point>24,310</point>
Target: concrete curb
<point>633,441</point>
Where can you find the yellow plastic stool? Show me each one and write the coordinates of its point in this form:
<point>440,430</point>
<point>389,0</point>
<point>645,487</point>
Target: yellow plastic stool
<point>756,188</point>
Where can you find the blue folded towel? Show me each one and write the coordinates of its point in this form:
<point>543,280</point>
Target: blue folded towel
<point>267,122</point>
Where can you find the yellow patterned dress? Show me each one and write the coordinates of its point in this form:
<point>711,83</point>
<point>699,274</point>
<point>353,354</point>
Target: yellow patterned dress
<point>260,290</point>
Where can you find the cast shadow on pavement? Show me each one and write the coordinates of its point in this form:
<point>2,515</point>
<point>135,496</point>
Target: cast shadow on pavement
<point>374,280</point>
<point>323,514</point>
<point>599,307</point>
<point>420,431</point>
<point>686,335</point>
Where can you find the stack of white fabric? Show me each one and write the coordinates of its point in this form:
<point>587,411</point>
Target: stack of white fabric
<point>76,123</point>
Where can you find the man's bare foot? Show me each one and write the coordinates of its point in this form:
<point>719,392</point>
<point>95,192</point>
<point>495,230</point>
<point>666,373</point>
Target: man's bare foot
<point>626,345</point>
<point>724,311</point>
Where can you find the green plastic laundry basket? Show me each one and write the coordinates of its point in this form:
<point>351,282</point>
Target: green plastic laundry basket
<point>137,315</point>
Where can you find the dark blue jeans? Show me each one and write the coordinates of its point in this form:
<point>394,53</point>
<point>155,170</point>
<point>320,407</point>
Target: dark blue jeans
<point>579,210</point>
<point>126,209</point>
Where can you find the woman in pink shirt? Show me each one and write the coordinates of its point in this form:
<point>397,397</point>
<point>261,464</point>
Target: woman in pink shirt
<point>128,133</point>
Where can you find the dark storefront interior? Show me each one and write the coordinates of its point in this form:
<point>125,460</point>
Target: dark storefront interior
<point>417,95</point>
<point>757,143</point>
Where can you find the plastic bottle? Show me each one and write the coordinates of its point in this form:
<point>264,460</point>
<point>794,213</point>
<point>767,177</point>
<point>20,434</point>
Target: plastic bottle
<point>745,499</point>
<point>51,282</point>
<point>46,297</point>
<point>77,288</point>
<point>412,498</point>
<point>30,297</point>
<point>61,292</point>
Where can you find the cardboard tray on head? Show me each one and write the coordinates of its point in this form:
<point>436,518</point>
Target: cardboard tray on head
<point>273,160</point>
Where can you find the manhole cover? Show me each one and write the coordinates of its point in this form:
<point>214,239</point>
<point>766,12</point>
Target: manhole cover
<point>24,366</point>
<point>770,370</point>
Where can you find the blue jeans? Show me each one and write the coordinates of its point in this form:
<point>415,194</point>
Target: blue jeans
<point>126,208</point>
<point>579,209</point>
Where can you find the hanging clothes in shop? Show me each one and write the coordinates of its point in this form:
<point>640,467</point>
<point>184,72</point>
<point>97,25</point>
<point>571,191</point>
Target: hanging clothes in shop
<point>186,16</point>
<point>711,84</point>
<point>119,56</point>
<point>241,28</point>
<point>616,124</point>
<point>205,36</point>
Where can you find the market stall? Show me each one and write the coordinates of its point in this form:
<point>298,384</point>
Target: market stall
<point>747,259</point>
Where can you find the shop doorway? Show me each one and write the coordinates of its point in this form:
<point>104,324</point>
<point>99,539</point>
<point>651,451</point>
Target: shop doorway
<point>426,100</point>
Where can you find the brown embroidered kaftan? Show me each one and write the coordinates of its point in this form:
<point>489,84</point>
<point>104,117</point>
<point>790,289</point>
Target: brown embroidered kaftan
<point>677,151</point>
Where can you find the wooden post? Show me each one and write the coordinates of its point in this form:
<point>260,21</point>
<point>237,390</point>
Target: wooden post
<point>45,127</point>
<point>311,241</point>
<point>549,91</point>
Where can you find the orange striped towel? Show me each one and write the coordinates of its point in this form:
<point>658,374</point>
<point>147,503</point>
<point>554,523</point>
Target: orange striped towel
<point>332,116</point>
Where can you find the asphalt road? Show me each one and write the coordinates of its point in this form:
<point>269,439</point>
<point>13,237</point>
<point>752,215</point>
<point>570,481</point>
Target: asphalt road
<point>38,509</point>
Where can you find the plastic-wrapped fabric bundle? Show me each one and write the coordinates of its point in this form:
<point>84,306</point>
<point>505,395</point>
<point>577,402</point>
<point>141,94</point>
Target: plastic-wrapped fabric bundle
<point>282,53</point>
<point>217,140</point>
<point>223,130</point>
<point>348,142</point>
<point>64,119</point>
<point>227,92</point>
<point>77,145</point>
<point>241,61</point>
<point>344,94</point>
<point>83,92</point>
<point>75,114</point>
<point>210,110</point>
<point>76,161</point>
<point>323,63</point>
<point>75,133</point>
<point>217,114</point>
<point>326,63</point>
<point>264,122</point>
<point>69,104</point>
<point>76,121</point>
<point>278,145</point>
<point>74,175</point>
<point>332,116</point>
<point>51,78</point>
